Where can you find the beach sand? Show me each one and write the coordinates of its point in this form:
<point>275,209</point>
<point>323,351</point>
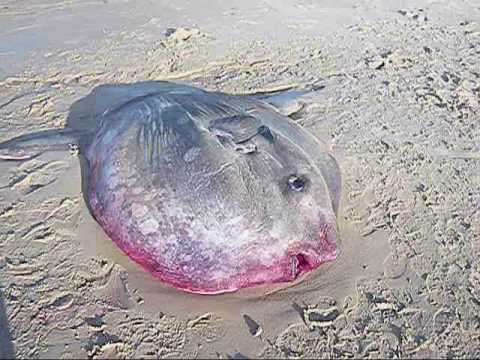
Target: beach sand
<point>397,97</point>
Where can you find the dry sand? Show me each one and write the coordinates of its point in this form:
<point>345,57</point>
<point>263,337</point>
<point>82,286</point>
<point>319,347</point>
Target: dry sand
<point>398,98</point>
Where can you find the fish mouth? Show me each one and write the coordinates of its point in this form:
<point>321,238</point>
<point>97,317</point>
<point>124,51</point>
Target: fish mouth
<point>305,259</point>
<point>301,263</point>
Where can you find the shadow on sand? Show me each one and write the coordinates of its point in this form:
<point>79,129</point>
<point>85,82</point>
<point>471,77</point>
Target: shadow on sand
<point>7,350</point>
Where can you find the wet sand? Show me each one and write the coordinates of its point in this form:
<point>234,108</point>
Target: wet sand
<point>397,96</point>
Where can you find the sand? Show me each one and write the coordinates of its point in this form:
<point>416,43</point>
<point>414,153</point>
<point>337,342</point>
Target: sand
<point>397,92</point>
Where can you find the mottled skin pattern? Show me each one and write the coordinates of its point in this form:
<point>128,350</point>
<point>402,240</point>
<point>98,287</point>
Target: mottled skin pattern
<point>212,193</point>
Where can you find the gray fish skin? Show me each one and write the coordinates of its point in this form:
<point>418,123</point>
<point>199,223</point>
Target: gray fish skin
<point>212,193</point>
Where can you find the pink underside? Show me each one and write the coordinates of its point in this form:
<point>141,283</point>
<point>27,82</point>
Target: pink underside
<point>279,272</point>
<point>238,282</point>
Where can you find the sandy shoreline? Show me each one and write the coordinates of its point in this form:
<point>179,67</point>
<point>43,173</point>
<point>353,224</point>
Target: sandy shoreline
<point>398,99</point>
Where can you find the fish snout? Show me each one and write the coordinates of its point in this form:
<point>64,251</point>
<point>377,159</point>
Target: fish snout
<point>310,255</point>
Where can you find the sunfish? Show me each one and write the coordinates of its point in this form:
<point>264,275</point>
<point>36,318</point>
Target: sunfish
<point>208,192</point>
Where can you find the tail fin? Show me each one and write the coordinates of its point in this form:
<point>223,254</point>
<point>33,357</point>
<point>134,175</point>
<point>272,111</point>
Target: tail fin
<point>28,146</point>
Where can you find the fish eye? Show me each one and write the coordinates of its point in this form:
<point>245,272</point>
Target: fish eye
<point>296,183</point>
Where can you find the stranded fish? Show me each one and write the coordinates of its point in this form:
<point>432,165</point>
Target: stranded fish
<point>209,192</point>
